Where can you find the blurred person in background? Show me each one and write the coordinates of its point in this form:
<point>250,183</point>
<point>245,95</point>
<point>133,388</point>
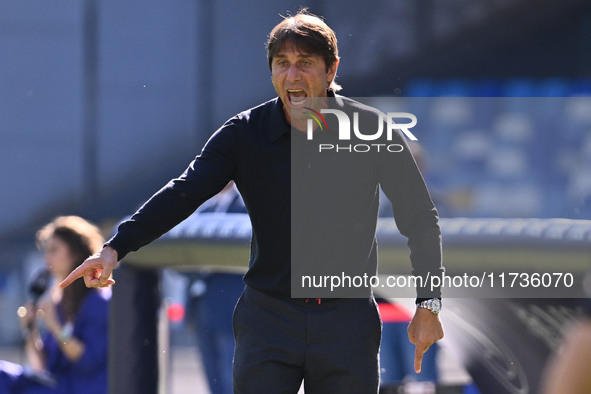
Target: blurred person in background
<point>569,371</point>
<point>213,296</point>
<point>66,330</point>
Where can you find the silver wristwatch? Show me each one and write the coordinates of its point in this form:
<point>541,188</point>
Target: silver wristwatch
<point>434,305</point>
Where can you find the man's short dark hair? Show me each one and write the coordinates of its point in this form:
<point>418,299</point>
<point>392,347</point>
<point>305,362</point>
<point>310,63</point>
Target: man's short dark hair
<point>308,32</point>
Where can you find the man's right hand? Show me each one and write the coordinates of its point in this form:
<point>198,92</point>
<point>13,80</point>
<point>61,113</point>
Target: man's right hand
<point>96,270</point>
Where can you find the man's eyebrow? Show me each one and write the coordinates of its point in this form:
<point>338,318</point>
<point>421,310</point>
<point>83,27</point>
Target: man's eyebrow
<point>300,54</point>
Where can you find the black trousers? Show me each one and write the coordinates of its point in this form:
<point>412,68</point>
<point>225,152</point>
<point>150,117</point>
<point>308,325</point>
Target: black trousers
<point>332,345</point>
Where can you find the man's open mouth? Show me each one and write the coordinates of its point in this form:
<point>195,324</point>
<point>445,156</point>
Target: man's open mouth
<point>296,97</point>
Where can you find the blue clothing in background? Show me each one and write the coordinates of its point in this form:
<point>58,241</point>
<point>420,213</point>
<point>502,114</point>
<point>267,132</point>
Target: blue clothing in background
<point>213,318</point>
<point>87,375</point>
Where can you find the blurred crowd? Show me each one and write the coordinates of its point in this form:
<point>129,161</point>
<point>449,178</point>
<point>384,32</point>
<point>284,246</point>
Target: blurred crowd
<point>519,148</point>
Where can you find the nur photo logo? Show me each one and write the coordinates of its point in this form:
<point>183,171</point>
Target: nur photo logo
<point>317,116</point>
<point>350,129</point>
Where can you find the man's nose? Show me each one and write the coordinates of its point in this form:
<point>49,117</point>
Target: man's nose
<point>293,74</point>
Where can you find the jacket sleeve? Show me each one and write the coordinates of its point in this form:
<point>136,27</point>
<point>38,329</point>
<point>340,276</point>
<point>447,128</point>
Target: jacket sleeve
<point>204,177</point>
<point>415,214</point>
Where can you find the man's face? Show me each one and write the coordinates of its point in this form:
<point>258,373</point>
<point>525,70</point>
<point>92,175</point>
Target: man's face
<point>298,75</point>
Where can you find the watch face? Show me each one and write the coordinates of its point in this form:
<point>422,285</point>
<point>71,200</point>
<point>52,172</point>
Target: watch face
<point>435,305</point>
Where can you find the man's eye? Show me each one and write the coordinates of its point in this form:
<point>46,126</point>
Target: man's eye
<point>306,63</point>
<point>281,63</point>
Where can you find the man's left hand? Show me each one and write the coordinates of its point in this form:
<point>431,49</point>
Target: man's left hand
<point>423,331</point>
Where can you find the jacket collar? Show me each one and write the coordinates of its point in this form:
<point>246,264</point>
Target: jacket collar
<point>278,125</point>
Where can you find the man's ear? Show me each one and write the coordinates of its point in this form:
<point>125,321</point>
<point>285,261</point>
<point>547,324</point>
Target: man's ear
<point>332,71</point>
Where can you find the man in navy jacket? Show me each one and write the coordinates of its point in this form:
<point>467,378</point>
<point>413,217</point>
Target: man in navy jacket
<point>332,344</point>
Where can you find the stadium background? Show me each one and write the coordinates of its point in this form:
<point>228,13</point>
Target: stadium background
<point>102,102</point>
